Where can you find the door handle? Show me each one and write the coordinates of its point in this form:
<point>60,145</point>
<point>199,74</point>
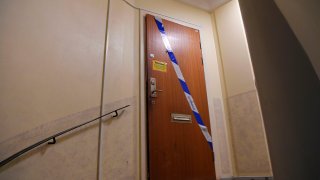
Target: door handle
<point>153,87</point>
<point>154,92</point>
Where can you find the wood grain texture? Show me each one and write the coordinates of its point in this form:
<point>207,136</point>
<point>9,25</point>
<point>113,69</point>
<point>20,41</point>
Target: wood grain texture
<point>177,150</point>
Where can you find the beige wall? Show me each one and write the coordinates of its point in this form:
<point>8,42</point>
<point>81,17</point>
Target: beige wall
<point>119,149</point>
<point>51,57</point>
<point>250,151</point>
<point>234,50</point>
<point>51,61</point>
<point>227,166</point>
<point>66,79</point>
<point>303,18</point>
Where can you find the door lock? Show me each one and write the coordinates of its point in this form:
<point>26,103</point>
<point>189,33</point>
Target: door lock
<point>153,87</point>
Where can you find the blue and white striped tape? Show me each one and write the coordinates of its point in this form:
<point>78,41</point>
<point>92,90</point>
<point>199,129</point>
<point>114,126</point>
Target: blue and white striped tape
<point>183,83</point>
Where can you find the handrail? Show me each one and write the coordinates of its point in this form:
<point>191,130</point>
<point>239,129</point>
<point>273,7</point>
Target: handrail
<point>53,137</point>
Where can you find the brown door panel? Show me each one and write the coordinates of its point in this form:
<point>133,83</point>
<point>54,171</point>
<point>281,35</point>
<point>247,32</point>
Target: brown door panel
<point>176,150</point>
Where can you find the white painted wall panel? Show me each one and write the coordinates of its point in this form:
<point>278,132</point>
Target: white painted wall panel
<point>234,49</point>
<point>250,150</point>
<point>51,57</point>
<point>120,136</point>
<point>50,60</point>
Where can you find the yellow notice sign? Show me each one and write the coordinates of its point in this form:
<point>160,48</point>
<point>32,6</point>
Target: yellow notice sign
<point>159,66</point>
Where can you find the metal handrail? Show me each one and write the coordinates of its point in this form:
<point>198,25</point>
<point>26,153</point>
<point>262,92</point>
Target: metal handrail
<point>53,137</point>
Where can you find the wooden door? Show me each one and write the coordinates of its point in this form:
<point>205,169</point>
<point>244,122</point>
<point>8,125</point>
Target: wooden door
<point>176,150</point>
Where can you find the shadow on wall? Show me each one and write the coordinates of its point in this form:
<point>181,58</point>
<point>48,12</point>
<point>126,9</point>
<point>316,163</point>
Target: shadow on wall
<point>289,91</point>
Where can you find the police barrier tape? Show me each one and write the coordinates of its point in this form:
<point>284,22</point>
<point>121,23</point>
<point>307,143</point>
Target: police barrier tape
<point>183,83</point>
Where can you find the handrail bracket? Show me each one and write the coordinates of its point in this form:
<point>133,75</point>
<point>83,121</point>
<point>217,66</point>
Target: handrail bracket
<point>116,115</point>
<point>53,141</point>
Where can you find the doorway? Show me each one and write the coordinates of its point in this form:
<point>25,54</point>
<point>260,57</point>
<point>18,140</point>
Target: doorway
<point>177,148</point>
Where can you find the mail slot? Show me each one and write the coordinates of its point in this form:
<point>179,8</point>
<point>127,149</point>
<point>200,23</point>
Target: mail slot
<point>180,118</point>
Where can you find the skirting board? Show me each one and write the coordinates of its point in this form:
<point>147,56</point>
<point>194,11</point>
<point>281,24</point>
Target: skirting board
<point>248,178</point>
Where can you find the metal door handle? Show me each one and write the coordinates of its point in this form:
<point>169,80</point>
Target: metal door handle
<point>153,88</point>
<point>157,90</point>
<point>154,92</point>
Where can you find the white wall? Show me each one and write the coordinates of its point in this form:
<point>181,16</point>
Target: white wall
<point>303,18</point>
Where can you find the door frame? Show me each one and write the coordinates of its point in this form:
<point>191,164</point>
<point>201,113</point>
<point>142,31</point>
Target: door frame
<point>143,93</point>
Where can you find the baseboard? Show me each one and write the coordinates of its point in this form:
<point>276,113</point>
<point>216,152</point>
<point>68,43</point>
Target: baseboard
<point>248,178</point>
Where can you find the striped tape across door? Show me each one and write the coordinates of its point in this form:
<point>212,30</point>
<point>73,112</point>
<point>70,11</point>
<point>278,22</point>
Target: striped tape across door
<point>183,83</point>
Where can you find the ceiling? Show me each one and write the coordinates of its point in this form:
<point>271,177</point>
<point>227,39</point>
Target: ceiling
<point>208,5</point>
